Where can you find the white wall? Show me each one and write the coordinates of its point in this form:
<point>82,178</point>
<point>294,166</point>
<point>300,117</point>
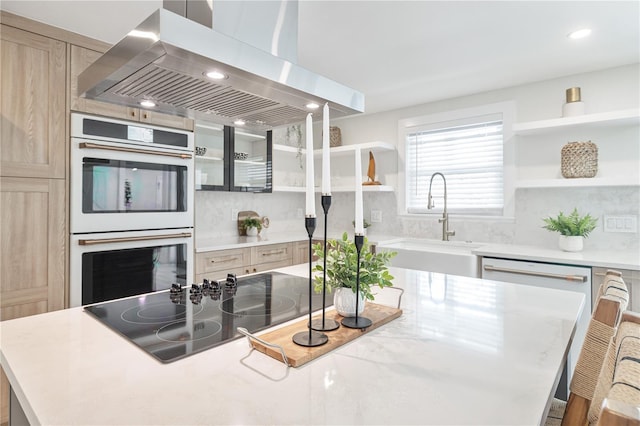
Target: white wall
<point>607,90</point>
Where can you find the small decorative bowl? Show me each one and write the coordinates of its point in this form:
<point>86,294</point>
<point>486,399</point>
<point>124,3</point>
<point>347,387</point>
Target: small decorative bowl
<point>240,155</point>
<point>201,150</point>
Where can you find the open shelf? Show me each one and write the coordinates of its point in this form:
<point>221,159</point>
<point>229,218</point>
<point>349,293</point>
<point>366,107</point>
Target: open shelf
<point>376,146</point>
<point>577,182</point>
<point>365,188</point>
<point>611,118</point>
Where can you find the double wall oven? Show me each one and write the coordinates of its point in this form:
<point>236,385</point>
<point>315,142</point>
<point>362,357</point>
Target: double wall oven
<point>132,191</point>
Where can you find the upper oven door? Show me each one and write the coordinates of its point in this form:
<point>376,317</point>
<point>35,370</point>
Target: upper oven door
<point>115,187</point>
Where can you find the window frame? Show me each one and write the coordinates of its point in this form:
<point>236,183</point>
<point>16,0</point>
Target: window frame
<point>408,125</point>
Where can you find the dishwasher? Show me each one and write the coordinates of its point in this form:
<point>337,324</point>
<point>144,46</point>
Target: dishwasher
<point>549,275</point>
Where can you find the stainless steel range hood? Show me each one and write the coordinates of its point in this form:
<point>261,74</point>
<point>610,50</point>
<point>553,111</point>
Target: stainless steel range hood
<point>165,60</point>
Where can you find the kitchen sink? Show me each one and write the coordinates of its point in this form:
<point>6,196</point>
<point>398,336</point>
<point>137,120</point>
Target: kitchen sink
<point>448,257</point>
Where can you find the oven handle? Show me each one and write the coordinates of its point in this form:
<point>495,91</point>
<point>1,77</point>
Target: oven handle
<point>91,145</point>
<point>578,278</point>
<point>92,242</point>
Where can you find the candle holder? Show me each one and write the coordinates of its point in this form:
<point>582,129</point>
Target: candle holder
<point>310,338</point>
<point>357,321</point>
<point>325,324</point>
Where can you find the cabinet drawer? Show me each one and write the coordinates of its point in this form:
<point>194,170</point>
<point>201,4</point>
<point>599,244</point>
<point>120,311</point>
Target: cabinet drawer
<point>220,275</point>
<point>223,260</point>
<point>268,266</point>
<point>271,253</point>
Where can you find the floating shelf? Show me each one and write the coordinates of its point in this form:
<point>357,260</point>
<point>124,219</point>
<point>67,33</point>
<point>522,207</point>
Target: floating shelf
<point>602,119</point>
<point>208,158</point>
<point>365,188</point>
<point>576,183</point>
<point>376,146</point>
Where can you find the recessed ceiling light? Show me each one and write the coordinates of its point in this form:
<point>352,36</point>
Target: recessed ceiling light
<point>239,122</point>
<point>581,33</point>
<point>216,75</point>
<point>312,105</point>
<point>147,103</point>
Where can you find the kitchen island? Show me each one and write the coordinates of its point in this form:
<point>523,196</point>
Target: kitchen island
<point>464,351</point>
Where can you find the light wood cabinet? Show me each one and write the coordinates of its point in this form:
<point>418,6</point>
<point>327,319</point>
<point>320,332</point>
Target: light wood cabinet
<point>33,142</point>
<point>215,265</point>
<point>34,245</point>
<point>81,58</point>
<point>631,279</point>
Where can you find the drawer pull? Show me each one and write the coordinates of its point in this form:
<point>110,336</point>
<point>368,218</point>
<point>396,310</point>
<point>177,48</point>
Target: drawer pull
<point>271,253</point>
<point>578,278</point>
<point>229,259</point>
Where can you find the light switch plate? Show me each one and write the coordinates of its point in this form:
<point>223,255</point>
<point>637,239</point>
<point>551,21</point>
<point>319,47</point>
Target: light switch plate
<point>621,223</point>
<point>376,216</point>
<point>234,215</point>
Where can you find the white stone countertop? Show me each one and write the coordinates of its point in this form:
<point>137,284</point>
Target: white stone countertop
<point>623,259</point>
<point>464,351</point>
<point>223,243</point>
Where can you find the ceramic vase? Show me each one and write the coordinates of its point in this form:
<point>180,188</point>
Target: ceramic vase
<point>252,231</point>
<point>344,300</point>
<point>573,243</point>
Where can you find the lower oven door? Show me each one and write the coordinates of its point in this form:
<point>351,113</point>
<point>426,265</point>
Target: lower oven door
<point>112,265</point>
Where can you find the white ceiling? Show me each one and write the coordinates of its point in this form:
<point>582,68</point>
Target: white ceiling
<point>403,53</point>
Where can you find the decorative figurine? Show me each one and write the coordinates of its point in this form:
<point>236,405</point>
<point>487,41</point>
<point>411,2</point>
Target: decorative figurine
<point>371,171</point>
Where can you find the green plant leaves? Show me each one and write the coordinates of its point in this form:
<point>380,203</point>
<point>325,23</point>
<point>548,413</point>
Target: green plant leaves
<point>342,263</point>
<point>572,225</point>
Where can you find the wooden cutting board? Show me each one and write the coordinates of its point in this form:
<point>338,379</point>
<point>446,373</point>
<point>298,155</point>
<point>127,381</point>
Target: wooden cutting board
<point>299,355</point>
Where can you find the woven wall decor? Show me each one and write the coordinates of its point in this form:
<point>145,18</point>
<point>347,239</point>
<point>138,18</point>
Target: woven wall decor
<point>335,137</point>
<point>579,160</point>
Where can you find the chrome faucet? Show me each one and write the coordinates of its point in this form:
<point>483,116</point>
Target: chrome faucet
<point>444,220</point>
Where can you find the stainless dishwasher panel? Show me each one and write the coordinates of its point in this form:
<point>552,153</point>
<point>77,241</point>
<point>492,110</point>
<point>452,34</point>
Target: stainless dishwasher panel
<point>549,275</point>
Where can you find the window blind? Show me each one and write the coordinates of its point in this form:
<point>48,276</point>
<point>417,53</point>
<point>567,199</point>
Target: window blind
<point>469,155</point>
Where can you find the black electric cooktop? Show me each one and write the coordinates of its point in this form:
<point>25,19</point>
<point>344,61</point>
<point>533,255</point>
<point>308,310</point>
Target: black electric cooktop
<point>174,324</point>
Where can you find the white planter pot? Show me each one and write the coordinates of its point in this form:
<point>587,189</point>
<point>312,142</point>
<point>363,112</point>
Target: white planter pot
<point>252,232</point>
<point>571,243</point>
<point>344,300</point>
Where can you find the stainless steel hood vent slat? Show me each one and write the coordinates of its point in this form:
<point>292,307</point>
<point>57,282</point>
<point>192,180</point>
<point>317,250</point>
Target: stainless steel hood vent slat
<point>165,58</point>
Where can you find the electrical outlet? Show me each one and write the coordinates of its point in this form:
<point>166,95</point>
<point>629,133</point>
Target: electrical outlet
<point>626,223</point>
<point>376,216</point>
<point>299,214</point>
<point>234,215</point>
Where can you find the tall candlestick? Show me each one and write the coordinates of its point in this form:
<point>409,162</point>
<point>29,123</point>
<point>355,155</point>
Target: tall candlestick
<point>311,196</point>
<point>326,162</point>
<point>359,226</point>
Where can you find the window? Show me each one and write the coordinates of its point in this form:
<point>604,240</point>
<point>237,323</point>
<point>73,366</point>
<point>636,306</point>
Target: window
<point>469,153</point>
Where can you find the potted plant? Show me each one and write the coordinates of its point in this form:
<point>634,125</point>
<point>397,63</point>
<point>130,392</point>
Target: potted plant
<point>573,229</point>
<point>252,225</point>
<point>342,262</point>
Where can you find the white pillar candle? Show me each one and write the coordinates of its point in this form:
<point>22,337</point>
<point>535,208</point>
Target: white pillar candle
<point>311,197</point>
<point>359,226</point>
<point>326,161</point>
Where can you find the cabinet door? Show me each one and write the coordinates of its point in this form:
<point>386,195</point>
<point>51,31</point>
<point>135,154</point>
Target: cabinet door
<point>231,159</point>
<point>300,252</point>
<point>212,169</point>
<point>34,236</point>
<point>81,58</point>
<point>250,156</point>
<point>33,109</point>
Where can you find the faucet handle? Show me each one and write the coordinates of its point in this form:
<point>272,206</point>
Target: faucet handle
<point>451,233</point>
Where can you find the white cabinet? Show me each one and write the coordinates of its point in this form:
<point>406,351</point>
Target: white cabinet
<point>615,133</point>
<point>289,167</point>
